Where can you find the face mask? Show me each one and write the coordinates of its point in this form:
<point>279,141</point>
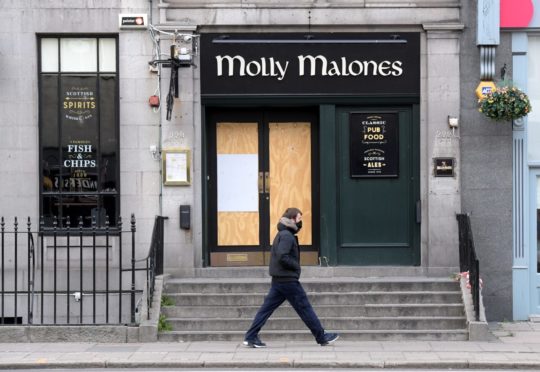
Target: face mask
<point>299,225</point>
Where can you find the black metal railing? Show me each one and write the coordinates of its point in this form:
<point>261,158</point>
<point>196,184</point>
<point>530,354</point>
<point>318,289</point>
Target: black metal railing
<point>468,262</point>
<point>78,275</point>
<point>154,260</point>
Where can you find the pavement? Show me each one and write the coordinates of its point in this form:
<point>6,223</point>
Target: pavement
<point>516,345</point>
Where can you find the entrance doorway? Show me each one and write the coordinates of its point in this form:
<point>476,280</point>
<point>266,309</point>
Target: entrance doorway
<point>260,162</point>
<point>378,186</point>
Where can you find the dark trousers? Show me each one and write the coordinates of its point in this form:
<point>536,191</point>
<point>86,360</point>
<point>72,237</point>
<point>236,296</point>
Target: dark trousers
<point>295,294</point>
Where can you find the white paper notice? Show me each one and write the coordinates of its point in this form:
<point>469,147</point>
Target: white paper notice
<point>176,170</point>
<point>237,182</point>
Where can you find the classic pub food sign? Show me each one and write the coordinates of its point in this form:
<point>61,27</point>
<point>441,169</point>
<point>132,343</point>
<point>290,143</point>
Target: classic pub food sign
<point>374,145</point>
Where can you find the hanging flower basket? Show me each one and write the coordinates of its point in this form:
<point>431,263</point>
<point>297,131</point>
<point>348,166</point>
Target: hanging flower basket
<point>505,103</point>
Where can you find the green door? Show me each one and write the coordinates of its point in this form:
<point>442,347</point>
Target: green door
<point>378,186</point>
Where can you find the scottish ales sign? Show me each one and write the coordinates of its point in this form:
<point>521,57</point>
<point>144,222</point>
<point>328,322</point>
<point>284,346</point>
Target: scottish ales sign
<point>300,64</point>
<point>374,144</point>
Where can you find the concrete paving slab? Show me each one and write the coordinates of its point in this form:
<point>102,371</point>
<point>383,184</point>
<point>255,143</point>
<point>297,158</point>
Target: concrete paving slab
<point>183,356</point>
<point>353,356</point>
<point>516,326</point>
<point>535,326</point>
<point>517,357</point>
<point>359,345</point>
<point>216,356</point>
<point>455,346</point>
<point>406,346</point>
<point>148,356</point>
<point>42,357</point>
<point>417,356</point>
<point>209,346</point>
<point>516,347</point>
<point>386,355</point>
<point>522,337</point>
<point>489,356</point>
<point>452,355</point>
<point>107,348</point>
<point>166,346</point>
<point>307,355</point>
<point>78,356</point>
<point>256,355</point>
<point>12,356</point>
<point>284,357</point>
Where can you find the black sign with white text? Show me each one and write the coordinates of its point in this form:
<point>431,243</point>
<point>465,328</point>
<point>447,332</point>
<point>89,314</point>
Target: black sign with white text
<point>300,64</point>
<point>374,144</point>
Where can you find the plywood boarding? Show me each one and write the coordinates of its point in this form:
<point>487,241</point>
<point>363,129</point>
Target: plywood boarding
<point>237,138</point>
<point>290,174</point>
<point>237,228</point>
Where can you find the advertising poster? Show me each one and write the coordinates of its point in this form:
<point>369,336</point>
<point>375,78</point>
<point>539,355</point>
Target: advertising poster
<point>374,144</point>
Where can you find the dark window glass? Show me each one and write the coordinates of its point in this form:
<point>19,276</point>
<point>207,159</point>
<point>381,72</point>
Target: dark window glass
<point>79,137</point>
<point>81,205</point>
<point>109,141</point>
<point>51,209</point>
<point>49,133</point>
<point>109,207</point>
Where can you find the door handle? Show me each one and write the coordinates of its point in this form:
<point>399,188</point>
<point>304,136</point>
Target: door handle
<point>261,182</point>
<point>267,182</point>
<point>418,211</point>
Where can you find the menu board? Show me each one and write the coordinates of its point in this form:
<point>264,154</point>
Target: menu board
<point>374,144</point>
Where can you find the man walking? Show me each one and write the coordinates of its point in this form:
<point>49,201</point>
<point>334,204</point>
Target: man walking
<point>285,271</point>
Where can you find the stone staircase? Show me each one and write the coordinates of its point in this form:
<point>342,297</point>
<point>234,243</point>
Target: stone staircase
<point>417,308</point>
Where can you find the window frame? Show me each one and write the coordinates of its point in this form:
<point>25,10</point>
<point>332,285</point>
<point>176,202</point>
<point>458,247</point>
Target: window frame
<point>113,220</point>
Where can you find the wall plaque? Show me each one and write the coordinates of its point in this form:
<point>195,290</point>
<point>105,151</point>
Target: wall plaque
<point>444,167</point>
<point>374,144</point>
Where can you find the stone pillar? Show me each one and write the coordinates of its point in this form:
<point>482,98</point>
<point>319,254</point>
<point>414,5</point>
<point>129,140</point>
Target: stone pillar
<point>521,284</point>
<point>441,99</point>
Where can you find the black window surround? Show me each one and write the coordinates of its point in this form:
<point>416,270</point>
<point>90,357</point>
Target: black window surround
<point>79,131</point>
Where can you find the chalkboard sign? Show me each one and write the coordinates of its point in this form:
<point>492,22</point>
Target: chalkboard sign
<point>374,144</point>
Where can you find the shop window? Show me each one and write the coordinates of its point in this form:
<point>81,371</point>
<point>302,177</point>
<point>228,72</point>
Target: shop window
<point>538,223</point>
<point>78,116</point>
<point>533,89</point>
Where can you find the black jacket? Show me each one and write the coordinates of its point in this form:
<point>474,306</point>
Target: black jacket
<point>285,256</point>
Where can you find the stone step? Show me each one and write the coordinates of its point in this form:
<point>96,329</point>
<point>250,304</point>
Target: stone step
<point>321,298</point>
<point>317,272</point>
<point>348,335</point>
<point>295,323</point>
<point>285,310</point>
<point>179,286</point>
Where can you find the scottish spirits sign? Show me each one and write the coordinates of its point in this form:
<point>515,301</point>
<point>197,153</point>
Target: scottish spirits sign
<point>80,111</point>
<point>374,144</point>
<point>293,64</point>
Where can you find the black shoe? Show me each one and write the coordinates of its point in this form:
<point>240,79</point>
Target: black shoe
<point>329,338</point>
<point>256,344</point>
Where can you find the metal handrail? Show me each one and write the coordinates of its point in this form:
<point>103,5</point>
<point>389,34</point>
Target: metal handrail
<point>31,277</point>
<point>153,268</point>
<point>468,260</point>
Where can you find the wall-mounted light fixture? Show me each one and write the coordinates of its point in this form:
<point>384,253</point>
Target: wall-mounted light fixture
<point>453,122</point>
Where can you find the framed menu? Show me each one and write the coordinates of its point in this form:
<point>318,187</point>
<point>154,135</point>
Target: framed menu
<point>176,167</point>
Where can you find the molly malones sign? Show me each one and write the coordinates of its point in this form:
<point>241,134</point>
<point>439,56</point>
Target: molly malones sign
<point>348,64</point>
